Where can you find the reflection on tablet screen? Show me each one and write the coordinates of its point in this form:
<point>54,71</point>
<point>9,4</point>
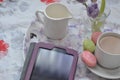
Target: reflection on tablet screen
<point>52,65</point>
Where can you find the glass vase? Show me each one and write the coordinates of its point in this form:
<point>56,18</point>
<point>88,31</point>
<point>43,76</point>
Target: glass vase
<point>98,22</point>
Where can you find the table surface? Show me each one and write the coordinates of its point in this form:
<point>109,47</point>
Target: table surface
<point>15,19</point>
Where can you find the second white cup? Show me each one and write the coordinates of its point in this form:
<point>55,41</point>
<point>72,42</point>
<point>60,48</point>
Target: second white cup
<point>55,20</point>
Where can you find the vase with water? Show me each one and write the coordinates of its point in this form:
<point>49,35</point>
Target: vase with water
<point>98,23</point>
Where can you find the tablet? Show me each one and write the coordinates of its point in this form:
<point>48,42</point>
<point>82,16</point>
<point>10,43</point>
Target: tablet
<point>49,62</point>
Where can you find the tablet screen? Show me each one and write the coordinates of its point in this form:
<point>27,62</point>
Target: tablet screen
<point>52,65</point>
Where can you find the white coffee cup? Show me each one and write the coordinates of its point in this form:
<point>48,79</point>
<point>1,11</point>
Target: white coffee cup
<point>107,50</point>
<point>55,20</point>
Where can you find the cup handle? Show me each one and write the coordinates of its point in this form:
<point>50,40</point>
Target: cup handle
<point>41,19</point>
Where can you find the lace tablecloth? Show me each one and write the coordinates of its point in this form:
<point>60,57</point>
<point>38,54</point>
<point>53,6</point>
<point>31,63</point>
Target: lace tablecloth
<point>16,17</point>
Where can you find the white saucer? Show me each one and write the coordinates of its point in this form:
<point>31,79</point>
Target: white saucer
<point>106,73</point>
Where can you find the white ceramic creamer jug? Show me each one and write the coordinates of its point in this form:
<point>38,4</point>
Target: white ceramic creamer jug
<point>55,20</point>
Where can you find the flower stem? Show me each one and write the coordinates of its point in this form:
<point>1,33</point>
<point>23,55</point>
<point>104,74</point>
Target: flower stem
<point>96,25</point>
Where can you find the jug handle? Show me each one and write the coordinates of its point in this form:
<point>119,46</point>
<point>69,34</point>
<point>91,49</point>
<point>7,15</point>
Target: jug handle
<point>41,19</point>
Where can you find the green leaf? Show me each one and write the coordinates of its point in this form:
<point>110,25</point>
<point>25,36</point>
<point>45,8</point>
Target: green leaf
<point>102,8</point>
